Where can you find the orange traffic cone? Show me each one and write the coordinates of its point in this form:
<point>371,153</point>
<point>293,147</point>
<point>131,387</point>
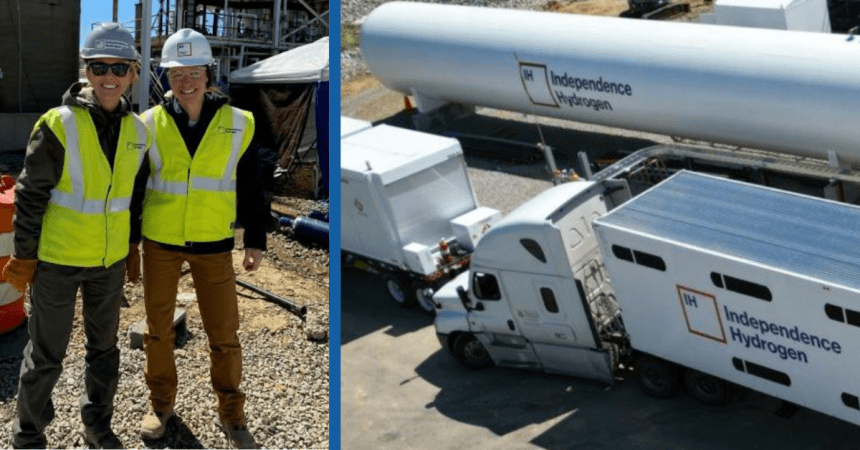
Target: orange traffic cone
<point>11,301</point>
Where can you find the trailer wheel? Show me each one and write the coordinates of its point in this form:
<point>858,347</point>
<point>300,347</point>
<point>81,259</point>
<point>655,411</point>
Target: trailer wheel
<point>471,352</point>
<point>425,303</point>
<point>706,388</point>
<point>399,290</point>
<point>657,377</point>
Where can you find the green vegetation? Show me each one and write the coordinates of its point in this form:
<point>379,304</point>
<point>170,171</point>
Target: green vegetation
<point>348,37</point>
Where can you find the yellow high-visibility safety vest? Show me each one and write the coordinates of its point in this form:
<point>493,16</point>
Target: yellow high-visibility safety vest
<point>194,199</point>
<point>87,223</point>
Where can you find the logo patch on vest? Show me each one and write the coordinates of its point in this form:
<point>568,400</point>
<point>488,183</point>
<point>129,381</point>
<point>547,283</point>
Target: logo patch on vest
<point>229,130</point>
<point>134,146</point>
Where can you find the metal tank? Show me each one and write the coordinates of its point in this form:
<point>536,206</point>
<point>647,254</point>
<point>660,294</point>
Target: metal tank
<point>38,53</point>
<point>787,91</point>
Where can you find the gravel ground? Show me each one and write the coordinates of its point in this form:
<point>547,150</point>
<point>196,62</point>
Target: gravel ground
<point>285,359</point>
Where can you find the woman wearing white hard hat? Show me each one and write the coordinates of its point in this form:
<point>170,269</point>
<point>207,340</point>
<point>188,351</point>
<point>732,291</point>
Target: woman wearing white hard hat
<point>204,176</point>
<point>72,230</point>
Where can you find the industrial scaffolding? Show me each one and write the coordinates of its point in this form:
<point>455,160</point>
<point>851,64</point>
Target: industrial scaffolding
<point>241,33</point>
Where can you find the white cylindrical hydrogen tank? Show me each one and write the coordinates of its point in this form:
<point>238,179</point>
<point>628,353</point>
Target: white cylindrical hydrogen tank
<point>787,91</point>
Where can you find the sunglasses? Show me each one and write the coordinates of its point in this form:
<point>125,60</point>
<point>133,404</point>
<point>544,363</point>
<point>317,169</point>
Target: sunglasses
<point>100,69</point>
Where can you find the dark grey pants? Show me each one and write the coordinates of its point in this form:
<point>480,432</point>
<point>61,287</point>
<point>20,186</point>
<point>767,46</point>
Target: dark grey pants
<point>52,312</point>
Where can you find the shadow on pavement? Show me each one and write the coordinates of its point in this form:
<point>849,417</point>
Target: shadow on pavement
<point>583,414</point>
<point>365,307</point>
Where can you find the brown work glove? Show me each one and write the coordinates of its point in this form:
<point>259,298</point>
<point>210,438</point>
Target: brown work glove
<point>132,264</point>
<point>19,272</point>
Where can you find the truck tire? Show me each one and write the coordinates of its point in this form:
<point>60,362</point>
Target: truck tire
<point>658,378</point>
<point>706,388</point>
<point>398,290</point>
<point>425,303</point>
<point>471,352</point>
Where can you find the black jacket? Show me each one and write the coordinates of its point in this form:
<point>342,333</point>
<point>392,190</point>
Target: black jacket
<point>43,166</point>
<point>254,182</point>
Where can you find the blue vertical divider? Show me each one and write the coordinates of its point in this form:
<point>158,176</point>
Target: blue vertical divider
<point>334,222</point>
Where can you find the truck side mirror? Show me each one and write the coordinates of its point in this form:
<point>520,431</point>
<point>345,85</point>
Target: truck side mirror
<point>464,297</point>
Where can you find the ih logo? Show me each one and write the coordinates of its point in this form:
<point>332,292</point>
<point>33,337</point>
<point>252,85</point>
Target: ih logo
<point>536,83</point>
<point>701,314</point>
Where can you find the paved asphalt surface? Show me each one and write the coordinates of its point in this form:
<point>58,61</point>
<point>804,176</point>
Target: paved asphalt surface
<point>400,390</point>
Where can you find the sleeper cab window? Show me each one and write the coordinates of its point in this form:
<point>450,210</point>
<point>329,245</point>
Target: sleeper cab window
<point>549,300</point>
<point>534,249</point>
<point>486,287</point>
<point>635,256</point>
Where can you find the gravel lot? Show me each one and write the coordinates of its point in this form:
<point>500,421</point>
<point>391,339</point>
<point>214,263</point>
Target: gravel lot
<point>286,359</point>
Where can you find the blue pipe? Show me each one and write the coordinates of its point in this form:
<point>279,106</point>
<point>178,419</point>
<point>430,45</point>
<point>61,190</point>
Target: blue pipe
<point>305,227</point>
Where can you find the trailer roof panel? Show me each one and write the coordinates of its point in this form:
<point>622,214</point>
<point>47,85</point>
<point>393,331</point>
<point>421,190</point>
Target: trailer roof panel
<point>804,235</point>
<point>395,153</point>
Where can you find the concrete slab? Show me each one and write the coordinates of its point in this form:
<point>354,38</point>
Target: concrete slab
<point>135,333</point>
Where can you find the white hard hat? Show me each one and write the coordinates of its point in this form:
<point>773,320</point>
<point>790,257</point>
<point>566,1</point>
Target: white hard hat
<point>186,47</point>
<point>109,40</point>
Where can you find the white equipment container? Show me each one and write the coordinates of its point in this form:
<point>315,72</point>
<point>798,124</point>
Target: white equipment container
<point>470,227</point>
<point>790,92</point>
<point>401,193</point>
<point>796,15</point>
<point>350,126</point>
<point>748,284</point>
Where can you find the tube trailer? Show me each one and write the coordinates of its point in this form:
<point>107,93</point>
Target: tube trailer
<point>698,280</point>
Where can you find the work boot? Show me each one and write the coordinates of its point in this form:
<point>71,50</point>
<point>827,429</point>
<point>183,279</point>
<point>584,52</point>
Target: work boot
<point>238,435</point>
<point>102,439</point>
<point>154,424</point>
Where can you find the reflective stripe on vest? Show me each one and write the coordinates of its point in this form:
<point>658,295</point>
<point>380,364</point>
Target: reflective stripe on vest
<point>197,193</point>
<point>75,200</point>
<point>224,184</point>
<point>86,223</point>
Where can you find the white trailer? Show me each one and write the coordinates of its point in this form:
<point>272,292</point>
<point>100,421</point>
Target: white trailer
<point>408,210</point>
<point>700,279</point>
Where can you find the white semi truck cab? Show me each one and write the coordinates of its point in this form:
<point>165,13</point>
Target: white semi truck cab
<point>537,294</point>
<point>700,280</point>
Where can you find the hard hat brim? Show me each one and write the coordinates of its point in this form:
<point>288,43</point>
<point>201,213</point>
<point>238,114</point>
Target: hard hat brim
<point>106,55</point>
<point>189,63</point>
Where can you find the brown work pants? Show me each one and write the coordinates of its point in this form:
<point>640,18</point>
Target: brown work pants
<point>215,285</point>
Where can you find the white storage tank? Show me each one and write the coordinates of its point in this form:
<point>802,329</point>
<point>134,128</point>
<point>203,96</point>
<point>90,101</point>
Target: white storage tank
<point>791,92</point>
